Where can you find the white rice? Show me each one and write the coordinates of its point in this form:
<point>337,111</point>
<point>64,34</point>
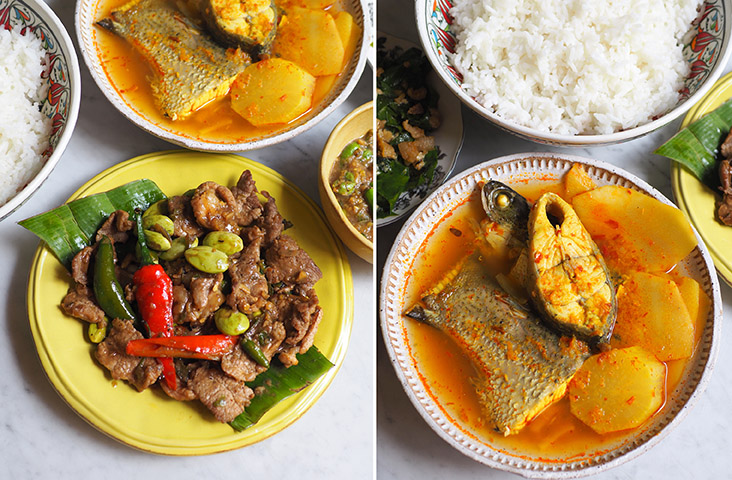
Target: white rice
<point>573,66</point>
<point>24,130</point>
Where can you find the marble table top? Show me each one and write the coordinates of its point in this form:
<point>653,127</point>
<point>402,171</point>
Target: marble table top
<point>42,437</point>
<point>408,449</point>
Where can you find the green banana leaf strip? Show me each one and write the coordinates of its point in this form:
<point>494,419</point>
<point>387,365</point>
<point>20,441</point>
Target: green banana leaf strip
<point>69,228</point>
<point>279,383</point>
<point>697,146</point>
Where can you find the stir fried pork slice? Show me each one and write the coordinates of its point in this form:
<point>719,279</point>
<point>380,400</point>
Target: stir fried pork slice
<point>287,262</point>
<point>249,289</point>
<point>271,222</point>
<point>117,227</point>
<point>79,303</point>
<point>203,299</point>
<point>140,372</point>
<point>241,366</point>
<point>184,222</point>
<point>215,207</point>
<point>724,206</point>
<point>245,193</point>
<point>80,265</point>
<point>300,315</point>
<point>225,396</point>
<point>183,392</point>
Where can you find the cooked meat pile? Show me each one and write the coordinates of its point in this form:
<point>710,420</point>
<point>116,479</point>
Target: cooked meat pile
<point>724,206</point>
<point>271,280</point>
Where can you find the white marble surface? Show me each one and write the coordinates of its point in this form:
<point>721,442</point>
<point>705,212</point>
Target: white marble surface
<point>41,437</point>
<point>407,448</point>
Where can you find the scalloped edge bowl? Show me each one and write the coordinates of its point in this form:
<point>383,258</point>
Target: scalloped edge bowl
<point>539,167</point>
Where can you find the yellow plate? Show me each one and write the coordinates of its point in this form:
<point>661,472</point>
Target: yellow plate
<point>150,420</point>
<point>696,200</point>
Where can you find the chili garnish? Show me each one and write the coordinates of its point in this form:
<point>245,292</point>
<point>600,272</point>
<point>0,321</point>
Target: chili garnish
<point>154,295</point>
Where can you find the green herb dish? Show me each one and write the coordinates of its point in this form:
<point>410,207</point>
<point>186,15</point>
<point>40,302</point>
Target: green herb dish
<point>416,110</point>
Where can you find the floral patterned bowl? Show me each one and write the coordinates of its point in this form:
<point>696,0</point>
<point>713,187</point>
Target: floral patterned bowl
<point>34,17</point>
<point>707,51</point>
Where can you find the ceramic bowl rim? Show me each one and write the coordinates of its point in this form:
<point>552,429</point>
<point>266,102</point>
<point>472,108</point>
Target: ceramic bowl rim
<point>67,45</point>
<point>194,144</point>
<point>575,140</point>
<point>509,464</point>
<point>323,173</point>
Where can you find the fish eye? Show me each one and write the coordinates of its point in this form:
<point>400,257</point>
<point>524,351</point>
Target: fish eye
<point>502,200</point>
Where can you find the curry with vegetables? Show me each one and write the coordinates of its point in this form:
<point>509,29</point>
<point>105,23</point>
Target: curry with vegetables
<point>536,271</point>
<point>351,180</point>
<point>202,294</point>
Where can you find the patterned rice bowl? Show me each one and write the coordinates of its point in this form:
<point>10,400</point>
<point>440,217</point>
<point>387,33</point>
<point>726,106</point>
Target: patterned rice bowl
<point>34,17</point>
<point>707,50</point>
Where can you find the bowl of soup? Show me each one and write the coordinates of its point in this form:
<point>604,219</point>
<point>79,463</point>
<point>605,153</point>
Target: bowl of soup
<point>206,92</point>
<point>345,182</point>
<point>454,287</point>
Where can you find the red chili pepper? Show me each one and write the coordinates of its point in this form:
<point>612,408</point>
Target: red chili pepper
<point>154,295</point>
<point>207,347</point>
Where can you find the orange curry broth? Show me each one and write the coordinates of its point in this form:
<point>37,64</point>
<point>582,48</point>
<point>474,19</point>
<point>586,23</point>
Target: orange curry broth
<point>215,122</point>
<point>555,434</point>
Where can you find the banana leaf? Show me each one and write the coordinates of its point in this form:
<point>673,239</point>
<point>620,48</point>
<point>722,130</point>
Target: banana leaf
<point>696,147</point>
<point>71,227</point>
<point>279,383</point>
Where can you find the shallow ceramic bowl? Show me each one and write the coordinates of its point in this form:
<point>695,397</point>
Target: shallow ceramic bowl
<point>445,419</point>
<point>354,125</point>
<point>34,17</point>
<point>88,13</point>
<point>707,51</point>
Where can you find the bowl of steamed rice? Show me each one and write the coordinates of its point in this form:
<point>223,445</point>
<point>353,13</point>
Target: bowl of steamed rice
<point>577,73</point>
<point>39,94</point>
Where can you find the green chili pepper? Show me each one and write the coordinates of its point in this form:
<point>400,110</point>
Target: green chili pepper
<point>349,176</point>
<point>349,149</point>
<point>255,351</point>
<point>367,154</point>
<point>345,188</point>
<point>107,290</point>
<point>368,195</point>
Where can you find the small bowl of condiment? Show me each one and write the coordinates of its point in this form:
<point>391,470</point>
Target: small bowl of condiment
<point>346,180</point>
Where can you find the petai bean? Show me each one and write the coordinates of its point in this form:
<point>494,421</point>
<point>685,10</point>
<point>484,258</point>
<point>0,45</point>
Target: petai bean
<point>207,259</point>
<point>230,322</point>
<point>178,247</point>
<point>227,242</point>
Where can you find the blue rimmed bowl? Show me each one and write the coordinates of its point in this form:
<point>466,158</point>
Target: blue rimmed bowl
<point>34,17</point>
<point>707,49</point>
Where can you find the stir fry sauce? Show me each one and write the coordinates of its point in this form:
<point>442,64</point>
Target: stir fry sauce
<point>216,121</point>
<point>555,434</point>
<point>351,180</point>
